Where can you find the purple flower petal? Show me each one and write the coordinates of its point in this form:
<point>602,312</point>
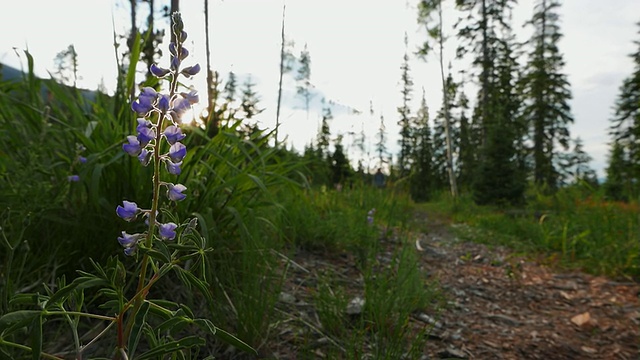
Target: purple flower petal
<point>173,134</point>
<point>167,231</point>
<point>158,71</point>
<point>174,192</point>
<point>145,157</point>
<point>82,159</point>
<point>130,251</point>
<point>133,147</point>
<point>173,168</point>
<point>73,178</point>
<point>145,135</point>
<point>177,152</point>
<point>128,211</point>
<point>192,97</point>
<point>163,103</point>
<point>128,240</point>
<point>191,70</point>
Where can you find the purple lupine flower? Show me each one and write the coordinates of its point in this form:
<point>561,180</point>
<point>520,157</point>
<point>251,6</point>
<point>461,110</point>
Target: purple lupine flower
<point>158,71</point>
<point>133,147</point>
<point>191,96</point>
<point>183,36</point>
<point>172,49</point>
<point>174,192</point>
<point>142,105</point>
<point>173,134</point>
<point>149,92</point>
<point>184,53</point>
<point>191,70</point>
<point>145,135</point>
<point>175,63</point>
<point>177,152</point>
<point>128,240</point>
<point>131,250</point>
<point>73,178</point>
<point>167,231</point>
<point>370,215</point>
<point>145,157</point>
<point>143,123</point>
<point>128,211</point>
<point>163,103</point>
<point>180,105</point>
<point>82,159</point>
<point>173,168</point>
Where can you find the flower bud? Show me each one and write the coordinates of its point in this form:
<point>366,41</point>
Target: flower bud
<point>158,71</point>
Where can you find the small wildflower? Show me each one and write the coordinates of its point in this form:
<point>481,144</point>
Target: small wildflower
<point>370,215</point>
<point>128,240</point>
<point>180,105</point>
<point>143,123</point>
<point>191,96</point>
<point>174,192</point>
<point>167,231</point>
<point>145,157</point>
<point>82,159</point>
<point>173,134</point>
<point>145,135</point>
<point>133,147</point>
<point>163,103</point>
<point>173,168</point>
<point>158,71</point>
<point>73,178</point>
<point>130,250</point>
<point>191,70</point>
<point>128,211</point>
<point>177,152</point>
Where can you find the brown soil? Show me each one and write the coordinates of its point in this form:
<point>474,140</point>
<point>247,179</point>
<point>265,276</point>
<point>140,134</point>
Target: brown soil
<point>499,305</point>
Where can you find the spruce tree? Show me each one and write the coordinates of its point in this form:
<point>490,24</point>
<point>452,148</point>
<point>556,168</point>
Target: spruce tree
<point>616,186</point>
<point>405,115</point>
<point>625,129</point>
<point>546,94</point>
<point>303,77</point>
<point>250,100</point>
<point>381,145</point>
<point>340,168</point>
<point>422,180</point>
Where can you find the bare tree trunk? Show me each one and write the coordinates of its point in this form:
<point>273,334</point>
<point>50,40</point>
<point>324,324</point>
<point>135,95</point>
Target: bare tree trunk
<point>281,75</point>
<point>447,122</point>
<point>211,121</point>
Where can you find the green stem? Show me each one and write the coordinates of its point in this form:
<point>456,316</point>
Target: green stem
<point>77,313</point>
<point>26,348</point>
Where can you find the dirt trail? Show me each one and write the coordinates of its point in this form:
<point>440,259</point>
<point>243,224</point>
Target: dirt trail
<point>499,306</point>
<point>508,307</point>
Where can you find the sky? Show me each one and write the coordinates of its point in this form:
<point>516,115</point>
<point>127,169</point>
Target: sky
<point>356,49</point>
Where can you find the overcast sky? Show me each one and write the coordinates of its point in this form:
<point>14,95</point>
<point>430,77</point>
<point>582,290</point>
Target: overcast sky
<point>356,49</point>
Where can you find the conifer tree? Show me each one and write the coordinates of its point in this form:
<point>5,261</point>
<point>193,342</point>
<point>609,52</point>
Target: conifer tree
<point>405,115</point>
<point>617,185</point>
<point>303,77</point>
<point>466,147</point>
<point>324,132</point>
<point>577,163</point>
<point>250,100</point>
<point>546,93</point>
<point>421,182</point>
<point>340,168</point>
<point>625,129</point>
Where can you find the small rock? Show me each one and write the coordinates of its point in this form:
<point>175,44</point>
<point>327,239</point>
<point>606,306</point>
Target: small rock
<point>355,306</point>
<point>286,298</point>
<point>452,353</point>
<point>581,319</point>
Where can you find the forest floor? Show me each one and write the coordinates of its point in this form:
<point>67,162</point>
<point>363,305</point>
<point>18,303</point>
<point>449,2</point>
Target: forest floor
<point>498,304</point>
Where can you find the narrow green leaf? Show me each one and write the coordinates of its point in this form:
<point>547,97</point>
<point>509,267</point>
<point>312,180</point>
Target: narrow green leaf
<point>172,347</point>
<point>138,323</point>
<point>232,340</point>
<point>17,319</point>
<point>206,325</point>
<point>36,337</point>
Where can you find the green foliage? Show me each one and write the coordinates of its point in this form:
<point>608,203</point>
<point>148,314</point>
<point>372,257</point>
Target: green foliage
<point>546,93</point>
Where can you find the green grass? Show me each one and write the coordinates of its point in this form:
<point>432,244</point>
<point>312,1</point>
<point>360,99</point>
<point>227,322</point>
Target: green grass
<point>566,229</point>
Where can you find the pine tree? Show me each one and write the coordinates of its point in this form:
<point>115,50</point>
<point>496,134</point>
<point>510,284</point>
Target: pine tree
<point>625,129</point>
<point>303,77</point>
<point>250,100</point>
<point>500,178</point>
<point>421,182</point>
<point>324,132</point>
<point>405,115</point>
<point>340,168</point>
<point>546,93</point>
<point>617,185</point>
